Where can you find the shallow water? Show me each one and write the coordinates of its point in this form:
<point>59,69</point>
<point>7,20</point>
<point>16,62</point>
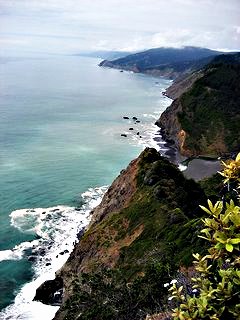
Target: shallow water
<point>61,120</point>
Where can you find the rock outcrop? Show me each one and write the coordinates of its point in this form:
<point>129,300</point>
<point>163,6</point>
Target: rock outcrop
<point>50,292</point>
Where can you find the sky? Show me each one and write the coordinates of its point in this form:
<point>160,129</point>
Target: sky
<point>74,26</point>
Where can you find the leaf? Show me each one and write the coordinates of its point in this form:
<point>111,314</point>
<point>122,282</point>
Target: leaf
<point>221,173</point>
<point>218,207</point>
<point>235,241</point>
<point>238,157</point>
<point>196,256</point>
<point>207,233</point>
<point>203,238</point>
<point>229,247</point>
<point>236,281</point>
<point>220,240</point>
<point>210,206</point>
<point>180,289</point>
<point>235,218</point>
<point>219,246</point>
<point>181,317</point>
<point>238,273</point>
<point>204,302</point>
<point>205,209</point>
<point>224,164</point>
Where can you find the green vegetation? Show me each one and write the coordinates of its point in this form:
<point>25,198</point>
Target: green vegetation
<point>165,59</point>
<point>217,282</point>
<point>210,109</point>
<point>136,251</point>
<point>107,295</point>
<point>150,238</point>
<point>121,264</point>
<point>212,186</point>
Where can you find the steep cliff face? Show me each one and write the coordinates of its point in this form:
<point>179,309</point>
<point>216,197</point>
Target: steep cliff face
<point>182,85</point>
<point>172,130</point>
<point>91,253</point>
<point>205,118</point>
<point>118,268</point>
<point>125,185</point>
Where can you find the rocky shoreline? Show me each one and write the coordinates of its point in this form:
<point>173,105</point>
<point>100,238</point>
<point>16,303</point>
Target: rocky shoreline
<point>203,118</point>
<point>91,255</point>
<point>52,292</point>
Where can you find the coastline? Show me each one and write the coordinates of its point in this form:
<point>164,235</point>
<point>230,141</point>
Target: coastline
<point>50,252</point>
<point>171,153</point>
<point>23,306</point>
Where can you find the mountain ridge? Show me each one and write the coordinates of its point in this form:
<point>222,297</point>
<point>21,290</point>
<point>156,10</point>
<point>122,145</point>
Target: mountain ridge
<point>166,62</point>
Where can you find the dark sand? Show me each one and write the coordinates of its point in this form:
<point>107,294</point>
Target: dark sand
<point>199,169</point>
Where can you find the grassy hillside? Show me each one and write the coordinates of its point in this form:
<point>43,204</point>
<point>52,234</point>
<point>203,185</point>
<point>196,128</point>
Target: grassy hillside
<point>118,269</point>
<point>210,113</point>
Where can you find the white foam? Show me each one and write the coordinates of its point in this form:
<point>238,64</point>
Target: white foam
<point>18,251</point>
<point>182,167</point>
<point>7,255</point>
<point>149,132</point>
<point>57,228</point>
<point>149,135</point>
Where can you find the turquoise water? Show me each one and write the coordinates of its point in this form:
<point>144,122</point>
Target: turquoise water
<point>60,134</point>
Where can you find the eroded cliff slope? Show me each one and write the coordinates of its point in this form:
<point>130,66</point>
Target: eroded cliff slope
<point>143,231</point>
<point>205,119</point>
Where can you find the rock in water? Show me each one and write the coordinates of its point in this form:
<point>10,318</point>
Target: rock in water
<point>50,292</point>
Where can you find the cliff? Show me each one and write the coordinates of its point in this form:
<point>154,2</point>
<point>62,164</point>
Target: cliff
<point>182,85</point>
<point>204,118</point>
<point>146,228</point>
<point>142,232</point>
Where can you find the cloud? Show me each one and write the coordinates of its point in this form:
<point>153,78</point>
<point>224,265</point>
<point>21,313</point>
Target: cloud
<point>67,26</point>
<point>237,29</point>
<point>13,42</point>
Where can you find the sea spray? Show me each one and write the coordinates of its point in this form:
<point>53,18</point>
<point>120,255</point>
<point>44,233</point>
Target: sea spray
<point>145,133</point>
<point>57,229</point>
<point>56,147</point>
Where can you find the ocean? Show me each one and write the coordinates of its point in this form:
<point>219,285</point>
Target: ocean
<point>61,121</point>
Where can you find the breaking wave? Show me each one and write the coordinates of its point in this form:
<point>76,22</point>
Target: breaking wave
<point>57,230</point>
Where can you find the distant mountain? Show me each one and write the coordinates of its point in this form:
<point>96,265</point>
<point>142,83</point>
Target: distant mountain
<point>104,54</point>
<point>167,62</point>
<point>205,118</point>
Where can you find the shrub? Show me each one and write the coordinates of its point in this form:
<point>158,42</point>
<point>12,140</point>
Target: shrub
<point>216,286</point>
